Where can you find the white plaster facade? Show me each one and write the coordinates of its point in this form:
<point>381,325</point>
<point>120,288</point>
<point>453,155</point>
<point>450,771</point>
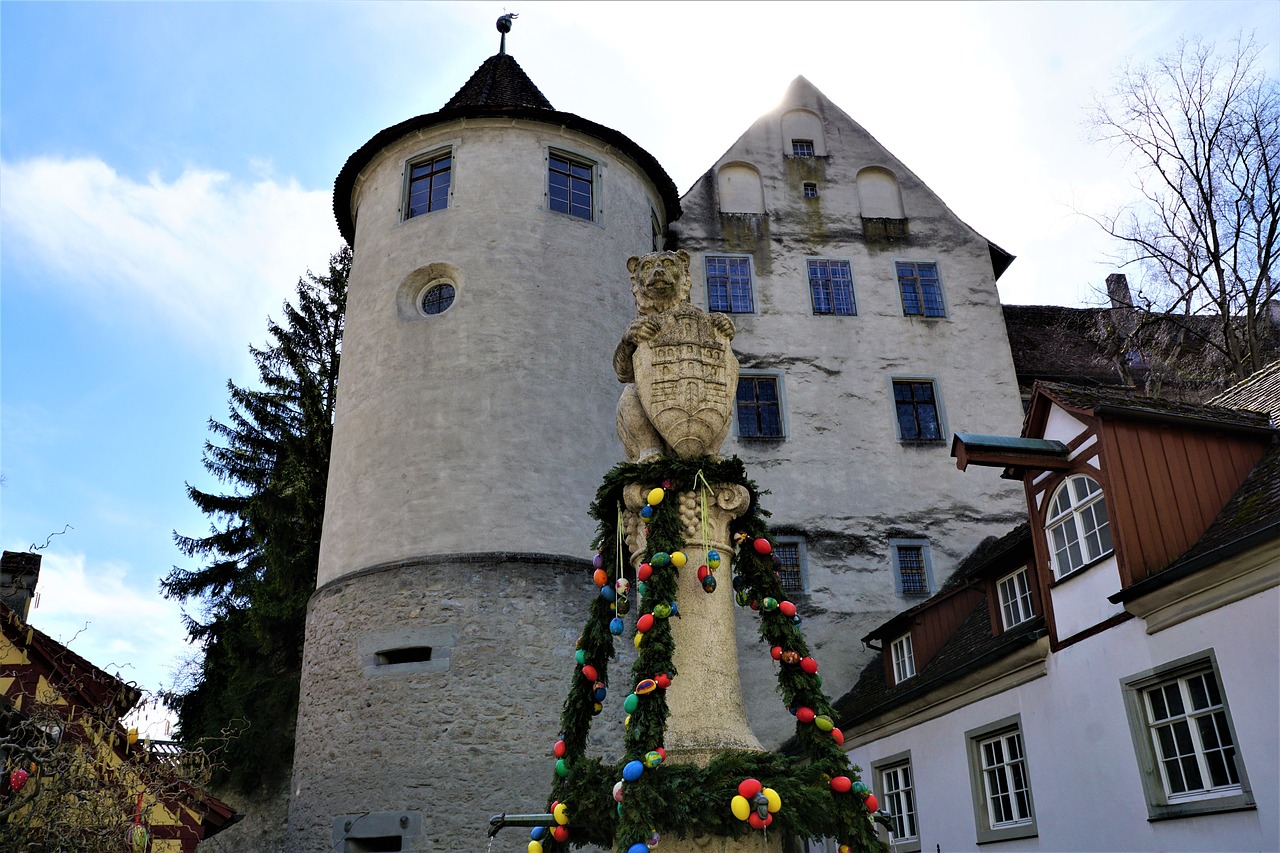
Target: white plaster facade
<point>841,479</point>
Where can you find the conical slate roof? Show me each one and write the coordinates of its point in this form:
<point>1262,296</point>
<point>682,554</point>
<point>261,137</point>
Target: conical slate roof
<point>499,82</point>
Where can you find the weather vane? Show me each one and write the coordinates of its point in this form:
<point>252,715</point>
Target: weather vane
<point>504,27</point>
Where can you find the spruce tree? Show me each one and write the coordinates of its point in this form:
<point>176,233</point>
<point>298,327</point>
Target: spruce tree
<point>261,553</point>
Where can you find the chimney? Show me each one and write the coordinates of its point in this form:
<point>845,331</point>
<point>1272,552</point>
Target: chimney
<point>18,575</point>
<point>1118,290</point>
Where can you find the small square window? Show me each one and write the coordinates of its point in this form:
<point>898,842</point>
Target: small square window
<point>789,560</point>
<point>759,407</point>
<point>729,285</point>
<point>810,190</point>
<point>1015,599</point>
<point>802,148</point>
<point>1185,740</point>
<point>831,288</point>
<point>912,567</point>
<point>429,179</point>
<point>570,185</point>
<point>1002,805</point>
<point>916,405</point>
<point>921,290</point>
<point>904,661</point>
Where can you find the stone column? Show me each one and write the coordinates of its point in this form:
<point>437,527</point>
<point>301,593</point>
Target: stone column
<point>706,714</point>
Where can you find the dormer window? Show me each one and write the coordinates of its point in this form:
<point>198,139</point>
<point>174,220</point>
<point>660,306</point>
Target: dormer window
<point>1015,599</point>
<point>802,148</point>
<point>1077,527</point>
<point>904,661</point>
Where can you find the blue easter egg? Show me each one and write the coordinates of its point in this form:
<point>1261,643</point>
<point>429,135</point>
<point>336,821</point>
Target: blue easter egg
<point>632,770</point>
<point>646,512</point>
<point>608,593</point>
<point>538,833</point>
<point>638,848</point>
<point>660,559</point>
<point>713,559</point>
<point>615,626</point>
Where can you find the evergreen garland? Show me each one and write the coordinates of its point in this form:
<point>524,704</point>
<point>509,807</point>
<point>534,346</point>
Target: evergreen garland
<point>685,800</point>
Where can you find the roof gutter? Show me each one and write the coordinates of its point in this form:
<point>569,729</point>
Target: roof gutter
<point>1138,414</point>
<point>1181,570</point>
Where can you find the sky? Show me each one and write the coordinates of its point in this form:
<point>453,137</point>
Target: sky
<point>166,175</point>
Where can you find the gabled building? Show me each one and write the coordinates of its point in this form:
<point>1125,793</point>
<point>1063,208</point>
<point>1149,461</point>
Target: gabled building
<point>88,779</point>
<point>1104,676</point>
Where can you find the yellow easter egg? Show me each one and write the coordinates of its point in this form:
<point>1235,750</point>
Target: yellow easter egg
<point>741,808</point>
<point>561,814</point>
<point>656,496</point>
<point>678,559</point>
<point>775,802</point>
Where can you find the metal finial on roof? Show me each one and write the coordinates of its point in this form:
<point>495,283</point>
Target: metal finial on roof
<point>504,27</point>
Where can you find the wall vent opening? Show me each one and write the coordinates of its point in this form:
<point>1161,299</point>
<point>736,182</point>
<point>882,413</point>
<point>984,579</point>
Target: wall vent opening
<point>412,654</point>
<point>381,844</point>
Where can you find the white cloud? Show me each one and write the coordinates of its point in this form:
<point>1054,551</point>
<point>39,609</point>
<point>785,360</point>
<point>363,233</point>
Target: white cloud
<point>108,618</point>
<point>203,255</point>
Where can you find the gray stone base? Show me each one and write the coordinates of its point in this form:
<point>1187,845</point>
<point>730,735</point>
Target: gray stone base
<point>426,747</point>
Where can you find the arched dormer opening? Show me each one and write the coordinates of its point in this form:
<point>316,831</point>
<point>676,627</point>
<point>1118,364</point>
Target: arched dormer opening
<point>740,188</point>
<point>802,134</point>
<point>880,199</point>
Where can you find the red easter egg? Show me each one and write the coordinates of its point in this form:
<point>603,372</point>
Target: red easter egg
<point>644,572</point>
<point>776,652</point>
<point>756,821</point>
<point>644,623</point>
<point>600,576</point>
<point>787,608</point>
<point>560,833</point>
<point>664,680</point>
<point>661,752</point>
<point>762,546</point>
<point>748,788</point>
<point>838,736</point>
<point>703,571</point>
<point>589,673</point>
<point>841,784</point>
<point>18,778</point>
<point>805,715</point>
<point>559,749</point>
<point>809,665</point>
<point>872,803</point>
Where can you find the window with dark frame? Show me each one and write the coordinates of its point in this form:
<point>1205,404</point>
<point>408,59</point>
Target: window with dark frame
<point>912,574</point>
<point>917,409</point>
<point>831,288</point>
<point>921,289</point>
<point>437,298</point>
<point>429,181</point>
<point>802,148</point>
<point>569,186</point>
<point>786,560</point>
<point>729,285</point>
<point>810,190</point>
<point>759,407</point>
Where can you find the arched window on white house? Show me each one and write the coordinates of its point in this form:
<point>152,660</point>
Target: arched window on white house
<point>1078,529</point>
<point>741,190</point>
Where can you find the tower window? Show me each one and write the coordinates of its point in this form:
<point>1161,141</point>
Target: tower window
<point>831,287</point>
<point>802,148</point>
<point>570,185</point>
<point>810,190</point>
<point>429,181</point>
<point>912,567</point>
<point>437,298</point>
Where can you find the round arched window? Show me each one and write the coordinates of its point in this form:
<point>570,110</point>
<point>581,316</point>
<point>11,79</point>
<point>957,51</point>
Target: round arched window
<point>437,298</point>
<point>1077,526</point>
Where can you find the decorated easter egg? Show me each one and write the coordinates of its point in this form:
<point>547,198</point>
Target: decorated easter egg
<point>787,608</point>
<point>644,623</point>
<point>861,789</point>
<point>656,496</point>
<point>654,838</point>
<point>740,807</point>
<point>662,611</point>
<point>748,788</point>
<point>621,585</point>
<point>678,559</point>
<point>18,778</point>
<point>596,708</point>
<point>589,673</point>
<point>646,512</point>
<point>600,576</point>
<point>709,584</point>
<point>809,665</point>
<point>663,680</point>
<point>823,722</point>
<point>615,626</point>
<point>742,598</point>
<point>841,784</point>
<point>644,572</point>
<point>844,848</point>
<point>769,604</point>
<point>632,771</point>
<point>873,804</point>
<point>740,537</point>
<point>622,605</point>
<point>772,799</point>
<point>559,749</point>
<point>646,685</point>
<point>660,560</point>
<point>561,814</point>
<point>560,833</point>
<point>739,582</point>
<point>652,758</point>
<point>631,703</point>
<point>562,768</point>
<point>805,715</point>
<point>713,559</point>
<point>791,657</point>
<point>138,838</point>
<point>762,546</point>
<point>598,692</point>
<point>617,791</point>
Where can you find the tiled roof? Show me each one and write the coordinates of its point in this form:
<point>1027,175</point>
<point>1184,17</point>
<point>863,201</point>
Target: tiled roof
<point>1260,392</point>
<point>1089,399</point>
<point>499,82</point>
<point>1056,342</point>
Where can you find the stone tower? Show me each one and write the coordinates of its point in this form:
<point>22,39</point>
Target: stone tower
<point>475,418</point>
